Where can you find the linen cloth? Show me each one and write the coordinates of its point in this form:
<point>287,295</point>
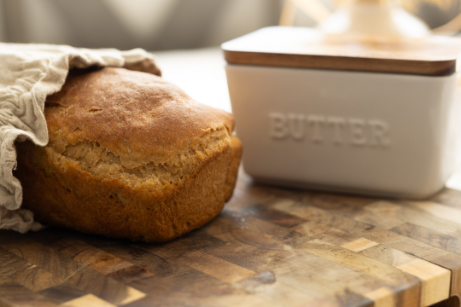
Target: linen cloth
<point>28,74</point>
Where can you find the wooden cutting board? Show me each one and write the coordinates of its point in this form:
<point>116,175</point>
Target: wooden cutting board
<point>269,247</point>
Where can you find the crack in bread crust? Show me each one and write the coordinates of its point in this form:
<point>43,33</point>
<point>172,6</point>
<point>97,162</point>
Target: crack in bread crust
<point>102,163</point>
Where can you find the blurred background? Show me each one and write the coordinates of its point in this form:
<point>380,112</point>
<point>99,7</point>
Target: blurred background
<point>126,24</point>
<point>161,24</point>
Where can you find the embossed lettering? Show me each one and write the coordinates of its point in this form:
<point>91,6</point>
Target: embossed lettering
<point>374,133</point>
<point>296,125</point>
<point>379,133</point>
<point>338,123</point>
<point>279,129</point>
<point>358,134</point>
<point>316,123</point>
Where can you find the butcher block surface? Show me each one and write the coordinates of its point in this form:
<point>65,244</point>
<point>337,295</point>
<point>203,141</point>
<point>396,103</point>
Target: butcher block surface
<point>269,247</point>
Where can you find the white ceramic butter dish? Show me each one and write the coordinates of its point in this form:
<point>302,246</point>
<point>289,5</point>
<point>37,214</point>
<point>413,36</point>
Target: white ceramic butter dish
<point>354,115</point>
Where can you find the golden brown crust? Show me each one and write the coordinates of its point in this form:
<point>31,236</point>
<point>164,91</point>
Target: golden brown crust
<point>129,160</point>
<point>236,156</point>
<point>132,110</point>
<point>70,197</point>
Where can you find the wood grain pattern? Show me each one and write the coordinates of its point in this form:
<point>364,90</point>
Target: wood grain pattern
<point>269,247</point>
<point>307,48</point>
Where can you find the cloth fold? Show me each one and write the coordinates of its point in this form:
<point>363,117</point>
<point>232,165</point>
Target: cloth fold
<point>28,74</point>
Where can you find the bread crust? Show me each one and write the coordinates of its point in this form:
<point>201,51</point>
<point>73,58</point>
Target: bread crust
<point>136,116</point>
<point>129,160</point>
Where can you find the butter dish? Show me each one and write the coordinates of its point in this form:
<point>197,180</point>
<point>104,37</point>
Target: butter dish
<point>364,115</point>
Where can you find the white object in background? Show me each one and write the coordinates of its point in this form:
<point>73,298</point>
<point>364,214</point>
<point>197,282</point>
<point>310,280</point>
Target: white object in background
<point>369,17</point>
<point>371,133</point>
<point>373,17</point>
<point>143,18</point>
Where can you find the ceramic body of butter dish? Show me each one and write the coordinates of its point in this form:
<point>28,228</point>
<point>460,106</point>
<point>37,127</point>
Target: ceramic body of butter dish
<point>345,114</point>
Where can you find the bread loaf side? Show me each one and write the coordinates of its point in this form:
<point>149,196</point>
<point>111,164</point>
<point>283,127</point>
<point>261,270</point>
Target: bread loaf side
<point>130,156</point>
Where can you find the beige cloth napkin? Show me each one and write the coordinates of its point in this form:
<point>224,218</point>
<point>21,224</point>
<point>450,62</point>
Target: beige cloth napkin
<point>29,73</point>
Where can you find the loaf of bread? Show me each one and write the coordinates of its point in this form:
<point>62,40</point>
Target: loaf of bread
<point>130,156</point>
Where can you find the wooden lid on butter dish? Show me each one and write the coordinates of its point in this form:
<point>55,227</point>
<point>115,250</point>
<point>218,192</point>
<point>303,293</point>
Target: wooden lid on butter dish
<point>309,48</point>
